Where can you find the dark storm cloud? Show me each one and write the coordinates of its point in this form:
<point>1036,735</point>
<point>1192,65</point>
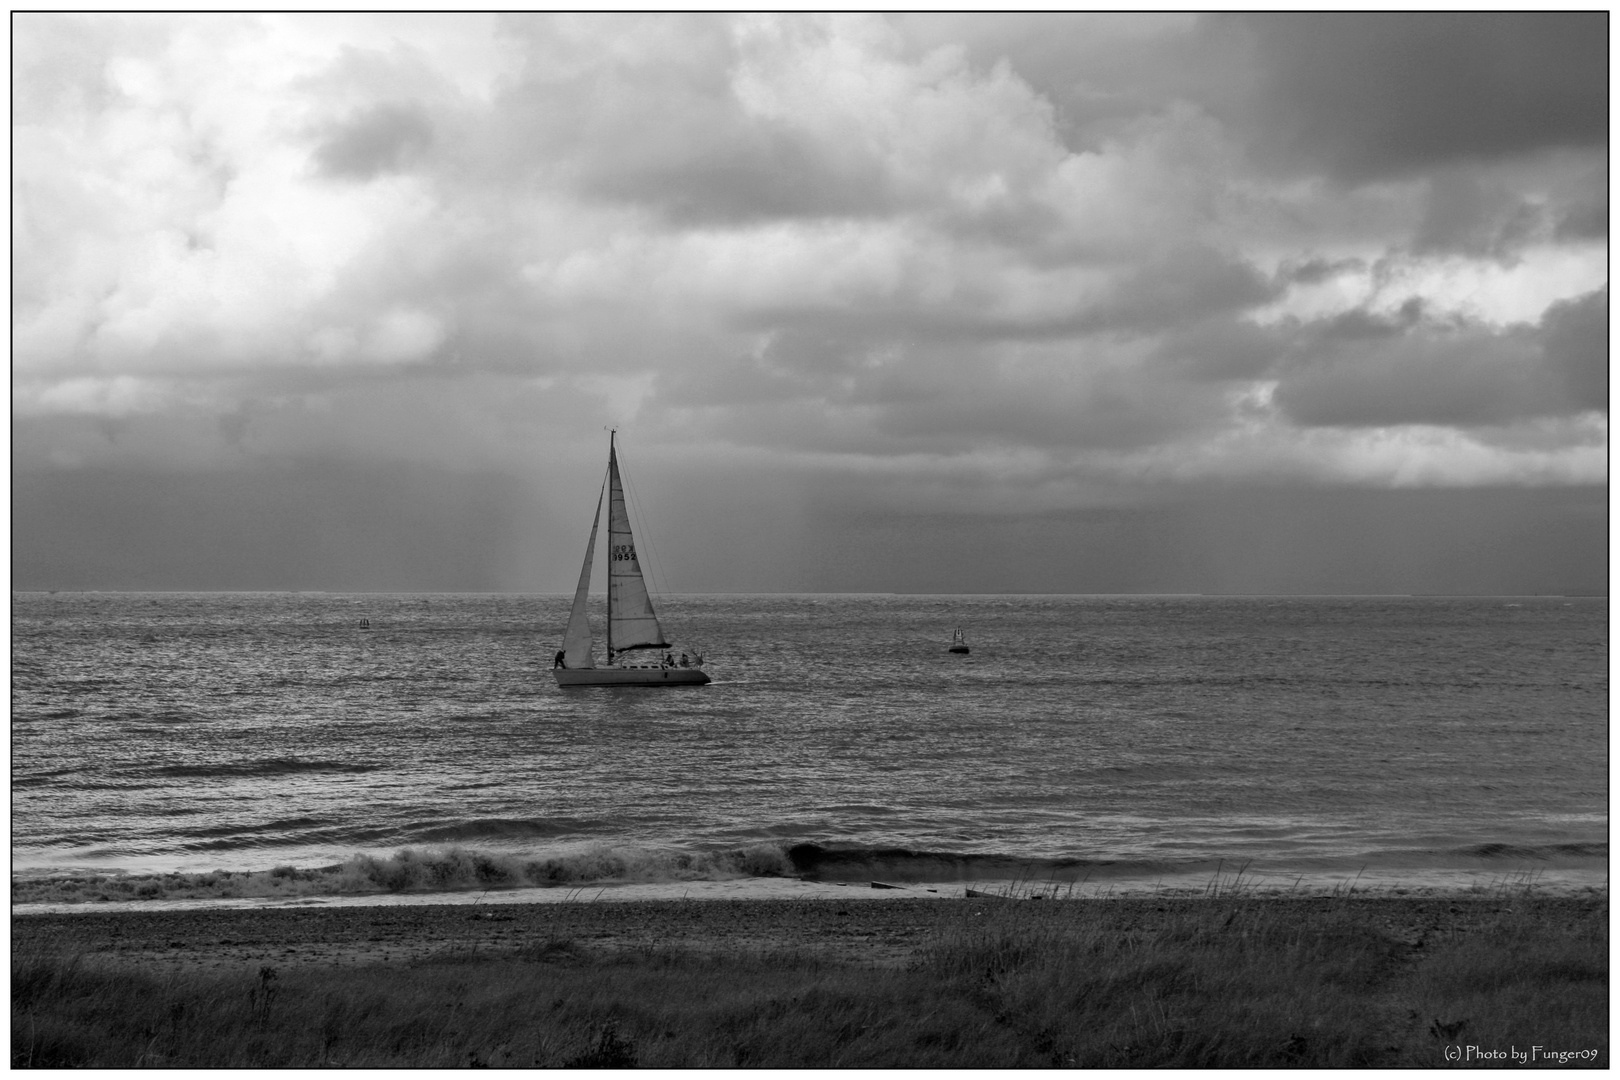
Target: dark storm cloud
<point>752,175</point>
<point>813,391</point>
<point>1449,377</point>
<point>1314,271</point>
<point>695,157</point>
<point>1371,95</point>
<point>383,138</point>
<point>1221,348</point>
<point>1179,286</point>
<point>1585,215</point>
<point>1103,410</point>
<point>1575,335</point>
<point>1466,215</point>
<point>1359,324</point>
<point>1184,285</point>
<point>696,165</point>
<point>1363,370</point>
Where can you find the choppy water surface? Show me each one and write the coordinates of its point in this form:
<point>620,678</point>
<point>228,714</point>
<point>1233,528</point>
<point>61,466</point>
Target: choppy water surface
<point>1082,736</point>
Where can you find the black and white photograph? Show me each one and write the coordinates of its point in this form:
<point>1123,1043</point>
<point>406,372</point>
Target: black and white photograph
<point>799,540</point>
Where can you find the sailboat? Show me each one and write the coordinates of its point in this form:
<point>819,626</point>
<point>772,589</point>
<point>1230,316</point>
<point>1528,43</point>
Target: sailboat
<point>959,642</point>
<point>633,632</point>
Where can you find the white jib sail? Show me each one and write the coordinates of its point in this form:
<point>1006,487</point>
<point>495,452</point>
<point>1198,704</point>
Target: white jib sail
<point>577,642</point>
<point>631,621</point>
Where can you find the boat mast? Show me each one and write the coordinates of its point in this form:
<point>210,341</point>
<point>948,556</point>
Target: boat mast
<point>611,432</point>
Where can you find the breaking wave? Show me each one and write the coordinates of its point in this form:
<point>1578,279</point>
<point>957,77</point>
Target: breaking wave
<point>456,868</point>
<point>415,870</point>
<point>815,862</point>
<point>450,868</point>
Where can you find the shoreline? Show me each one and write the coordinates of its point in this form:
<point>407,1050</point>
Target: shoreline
<point>1561,883</point>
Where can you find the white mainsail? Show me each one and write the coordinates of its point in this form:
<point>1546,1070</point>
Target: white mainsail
<point>631,621</point>
<point>577,642</point>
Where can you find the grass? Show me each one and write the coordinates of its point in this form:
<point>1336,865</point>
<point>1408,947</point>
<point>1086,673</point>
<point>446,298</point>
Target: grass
<point>1230,981</point>
<point>1248,983</point>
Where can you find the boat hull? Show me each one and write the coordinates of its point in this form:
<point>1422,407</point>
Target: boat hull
<point>613,676</point>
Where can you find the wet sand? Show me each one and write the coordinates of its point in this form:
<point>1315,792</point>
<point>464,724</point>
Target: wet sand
<point>863,926</point>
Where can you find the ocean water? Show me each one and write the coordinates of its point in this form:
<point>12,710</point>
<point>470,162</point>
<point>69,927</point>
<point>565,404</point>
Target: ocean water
<point>1084,739</point>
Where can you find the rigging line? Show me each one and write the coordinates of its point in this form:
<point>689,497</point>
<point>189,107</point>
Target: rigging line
<point>632,493</point>
<point>647,535</point>
<point>660,582</point>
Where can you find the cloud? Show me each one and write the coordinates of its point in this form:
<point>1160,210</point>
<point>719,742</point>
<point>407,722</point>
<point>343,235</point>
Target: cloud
<point>1463,215</point>
<point>383,138</point>
<point>1374,95</point>
<point>1575,342</point>
<point>980,262</point>
<point>658,121</point>
<point>1360,370</point>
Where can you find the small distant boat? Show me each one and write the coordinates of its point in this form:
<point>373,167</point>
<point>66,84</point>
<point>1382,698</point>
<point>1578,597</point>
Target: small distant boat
<point>959,642</point>
<point>632,626</point>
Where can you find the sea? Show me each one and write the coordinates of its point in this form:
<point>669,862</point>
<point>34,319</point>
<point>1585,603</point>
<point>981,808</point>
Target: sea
<point>1097,742</point>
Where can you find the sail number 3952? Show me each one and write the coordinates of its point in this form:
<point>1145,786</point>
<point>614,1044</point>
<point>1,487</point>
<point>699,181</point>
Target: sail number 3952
<point>626,552</point>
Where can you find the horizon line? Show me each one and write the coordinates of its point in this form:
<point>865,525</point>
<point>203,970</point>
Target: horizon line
<point>1572,594</point>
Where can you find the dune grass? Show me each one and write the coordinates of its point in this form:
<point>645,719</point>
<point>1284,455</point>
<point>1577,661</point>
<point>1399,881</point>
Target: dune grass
<point>1249,983</point>
<point>1237,982</point>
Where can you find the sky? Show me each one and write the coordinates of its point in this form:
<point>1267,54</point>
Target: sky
<point>1090,303</point>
